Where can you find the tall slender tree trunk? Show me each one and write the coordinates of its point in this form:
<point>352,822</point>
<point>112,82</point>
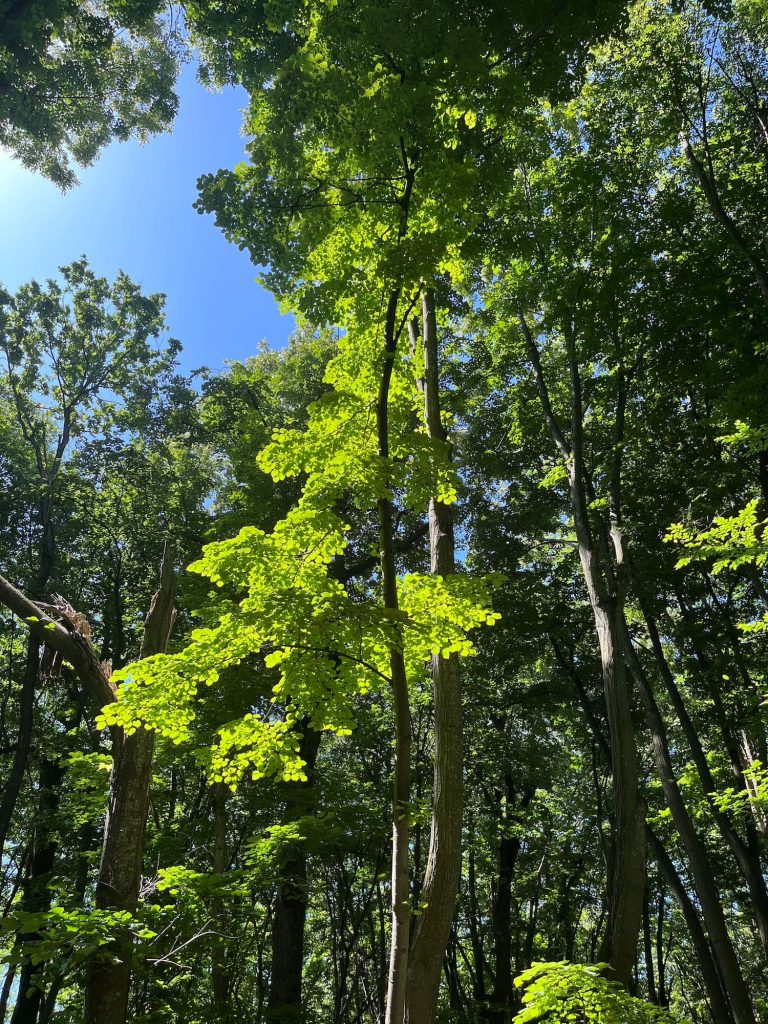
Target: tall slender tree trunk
<point>443,870</point>
<point>650,974</point>
<point>5,992</point>
<point>397,980</point>
<point>108,979</point>
<point>36,897</point>
<point>747,856</point>
<point>501,1001</point>
<point>698,858</point>
<point>721,1010</point>
<point>219,975</point>
<point>401,911</point>
<point>606,587</point>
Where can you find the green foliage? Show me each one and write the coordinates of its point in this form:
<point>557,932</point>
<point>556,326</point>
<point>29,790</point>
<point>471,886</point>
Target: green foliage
<point>328,648</point>
<point>516,162</point>
<point>74,934</point>
<point>564,992</point>
<point>75,76</point>
<point>88,778</point>
<point>730,543</point>
<point>746,801</point>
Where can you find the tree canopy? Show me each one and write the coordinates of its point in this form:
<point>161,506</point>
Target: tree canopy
<point>412,673</point>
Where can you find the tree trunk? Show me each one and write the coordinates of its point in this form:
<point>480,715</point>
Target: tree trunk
<point>475,938</point>
<point>108,980</point>
<point>698,858</point>
<point>290,910</point>
<point>36,897</point>
<point>721,1011</point>
<point>747,856</point>
<point>401,912</point>
<point>219,977</point>
<point>8,980</point>
<point>606,586</point>
<point>627,878</point>
<point>501,1001</point>
<point>653,996</point>
<point>720,1006</point>
<point>15,778</point>
<point>443,871</point>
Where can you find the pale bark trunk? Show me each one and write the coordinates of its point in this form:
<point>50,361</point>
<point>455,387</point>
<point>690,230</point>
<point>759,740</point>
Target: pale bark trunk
<point>443,869</point>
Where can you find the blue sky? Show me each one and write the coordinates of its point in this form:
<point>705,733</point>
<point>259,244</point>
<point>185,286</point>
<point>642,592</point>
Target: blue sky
<point>133,211</point>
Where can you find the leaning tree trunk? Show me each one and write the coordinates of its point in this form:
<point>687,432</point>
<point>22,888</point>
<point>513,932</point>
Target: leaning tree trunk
<point>698,858</point>
<point>747,855</point>
<point>443,870</point>
<point>721,1010</point>
<point>108,979</point>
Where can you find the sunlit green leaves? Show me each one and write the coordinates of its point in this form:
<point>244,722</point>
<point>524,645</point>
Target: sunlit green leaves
<point>563,992</point>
